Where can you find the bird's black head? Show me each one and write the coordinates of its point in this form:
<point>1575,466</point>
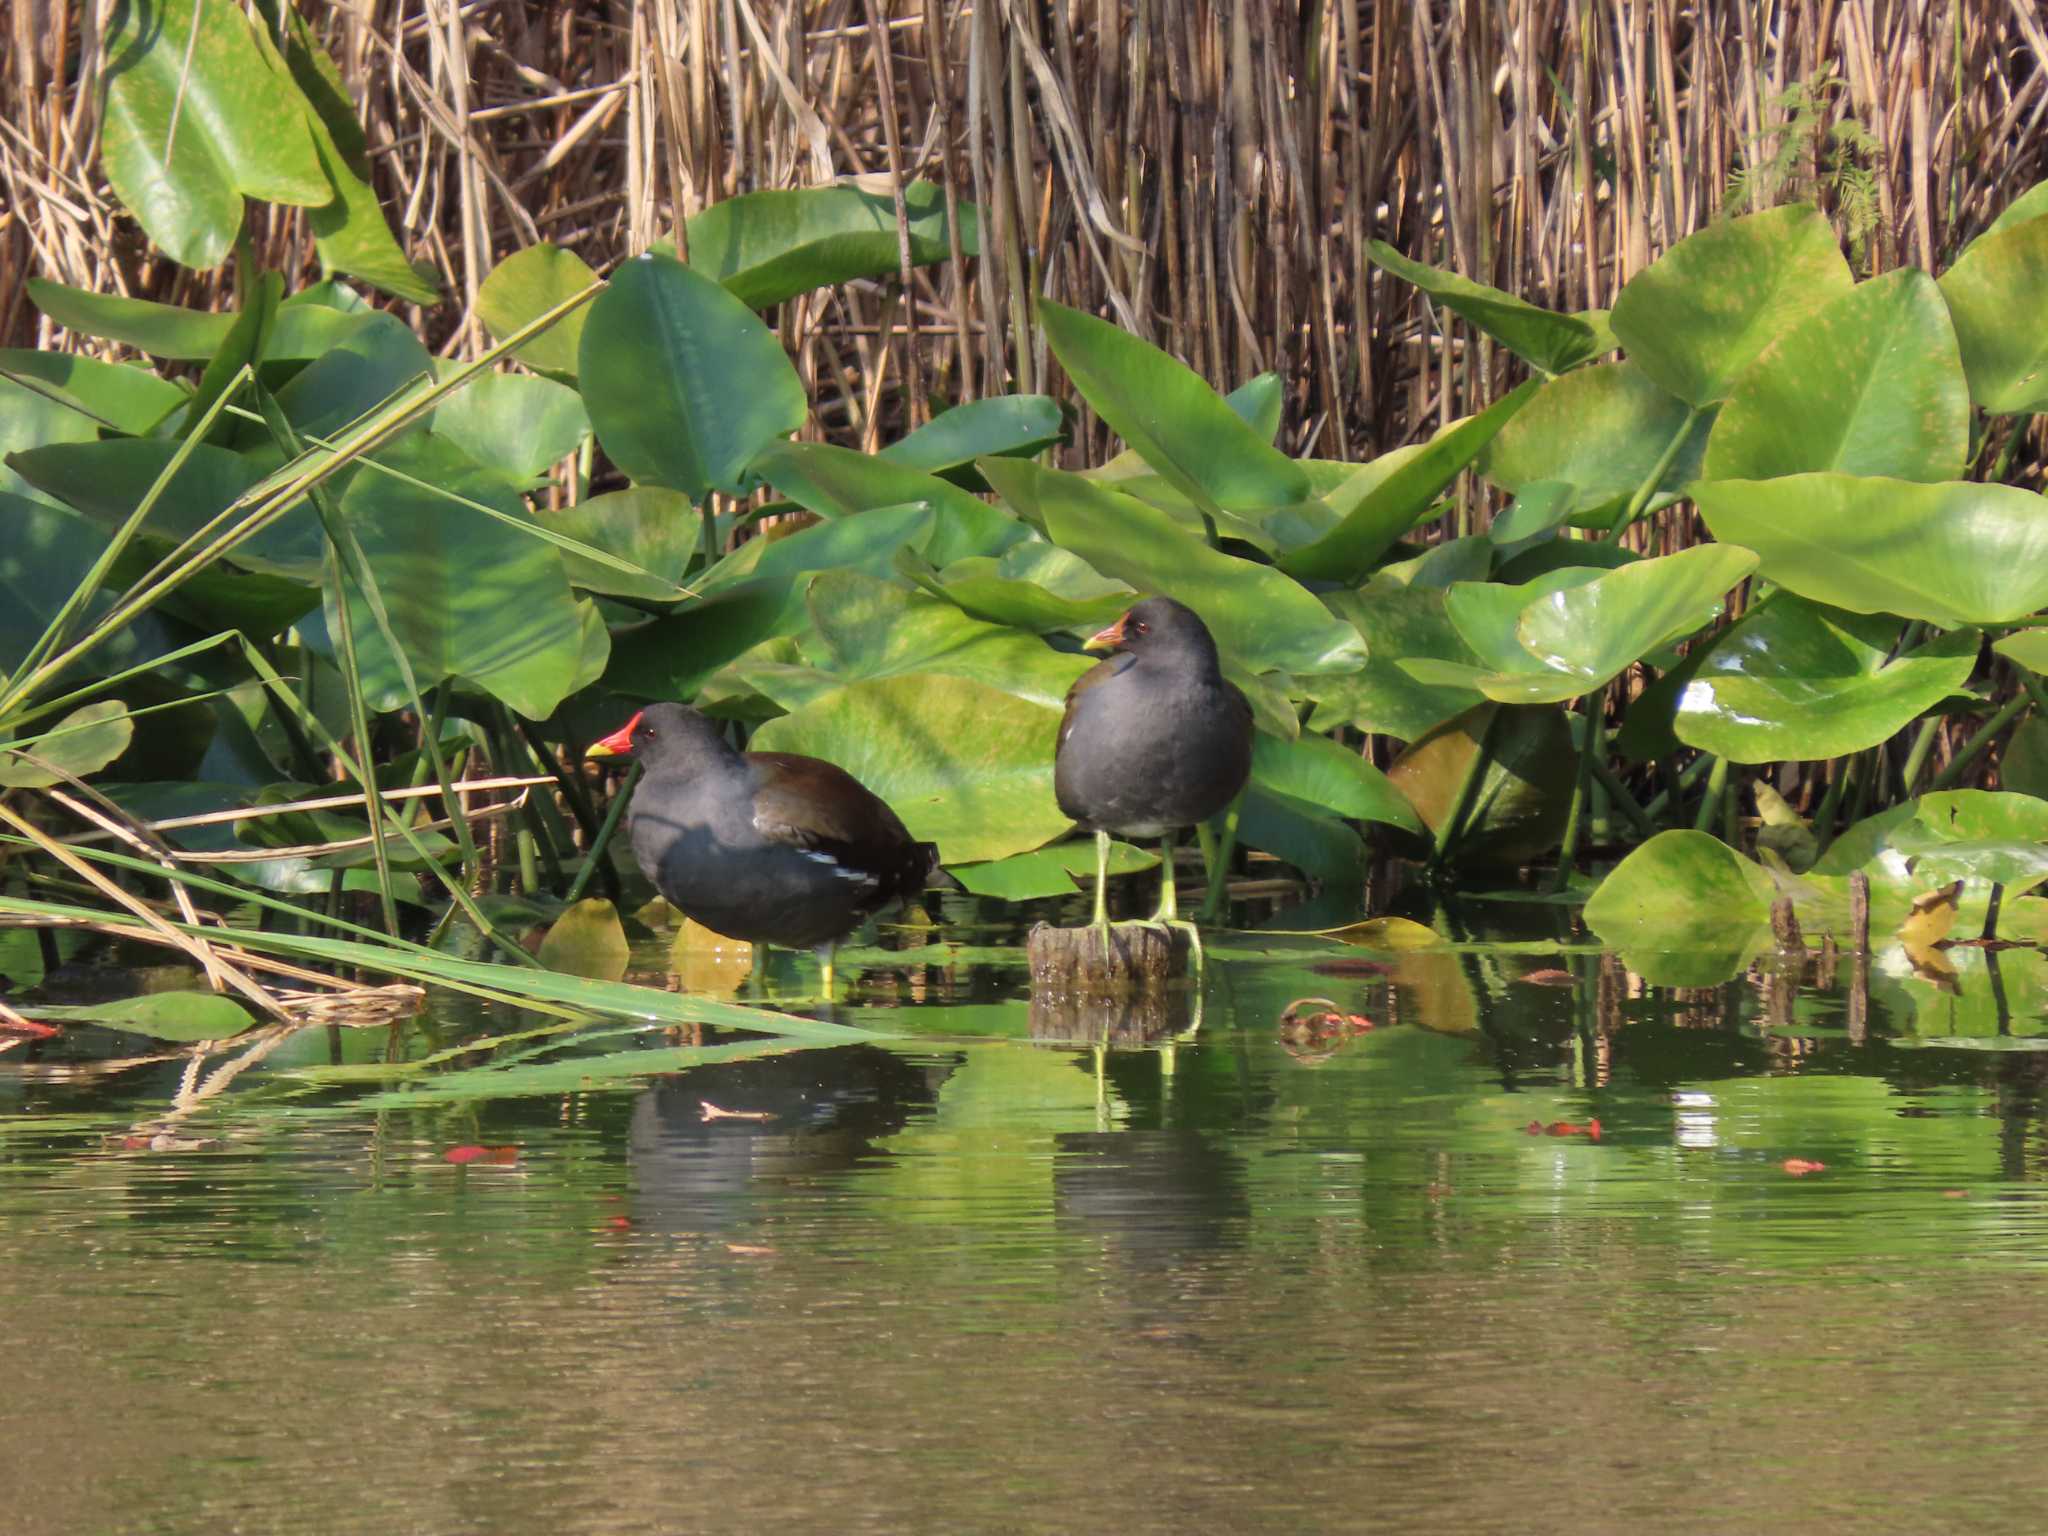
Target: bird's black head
<point>665,736</point>
<point>1157,626</point>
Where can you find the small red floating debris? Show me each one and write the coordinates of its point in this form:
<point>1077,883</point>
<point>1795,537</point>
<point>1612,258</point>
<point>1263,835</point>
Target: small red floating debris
<point>1955,1194</point>
<point>1799,1167</point>
<point>618,1223</point>
<point>502,1156</point>
<point>1590,1130</point>
<point>1550,976</point>
<point>749,1249</point>
<point>29,1029</point>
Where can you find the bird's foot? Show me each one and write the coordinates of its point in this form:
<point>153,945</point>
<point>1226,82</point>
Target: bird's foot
<point>1167,924</point>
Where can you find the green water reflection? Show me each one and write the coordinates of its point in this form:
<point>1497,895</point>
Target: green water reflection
<point>985,1276</point>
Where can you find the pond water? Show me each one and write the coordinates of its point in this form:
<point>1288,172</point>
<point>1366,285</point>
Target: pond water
<point>984,1274</point>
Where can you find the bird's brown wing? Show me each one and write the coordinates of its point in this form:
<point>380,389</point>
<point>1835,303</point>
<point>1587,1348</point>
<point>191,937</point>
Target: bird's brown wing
<point>1094,677</point>
<point>812,805</point>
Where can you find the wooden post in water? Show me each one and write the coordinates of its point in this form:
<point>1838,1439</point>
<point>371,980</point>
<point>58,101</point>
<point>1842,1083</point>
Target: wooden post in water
<point>1071,961</point>
<point>1859,957</point>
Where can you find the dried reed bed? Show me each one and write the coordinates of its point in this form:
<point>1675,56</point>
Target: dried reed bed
<point>1208,172</point>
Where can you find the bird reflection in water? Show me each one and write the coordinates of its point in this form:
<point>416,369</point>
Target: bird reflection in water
<point>703,1142</point>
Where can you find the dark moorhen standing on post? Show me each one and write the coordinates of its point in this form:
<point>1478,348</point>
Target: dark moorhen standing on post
<point>1153,740</point>
<point>764,846</point>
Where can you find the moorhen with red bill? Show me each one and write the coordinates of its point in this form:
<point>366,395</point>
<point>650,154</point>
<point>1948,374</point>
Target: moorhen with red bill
<point>1153,740</point>
<point>764,846</point>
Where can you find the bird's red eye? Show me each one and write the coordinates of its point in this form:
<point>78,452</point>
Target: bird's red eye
<point>1142,627</point>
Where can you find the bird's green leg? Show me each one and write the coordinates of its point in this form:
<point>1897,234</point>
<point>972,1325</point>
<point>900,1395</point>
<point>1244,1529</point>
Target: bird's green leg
<point>1168,916</point>
<point>1101,920</point>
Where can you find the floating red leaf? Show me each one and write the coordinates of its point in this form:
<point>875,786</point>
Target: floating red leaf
<point>502,1156</point>
<point>1799,1167</point>
<point>1551,976</point>
<point>1590,1130</point>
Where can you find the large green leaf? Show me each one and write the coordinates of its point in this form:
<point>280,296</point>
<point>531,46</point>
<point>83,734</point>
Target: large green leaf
<point>1975,835</point>
<point>107,481</point>
<point>1336,778</point>
<point>1265,619</point>
<point>654,528</point>
<point>1032,585</point>
<point>349,231</point>
<point>1872,384</point>
<point>769,246</point>
<point>1164,410</point>
<point>467,595</point>
<point>129,399</point>
<point>1048,871</point>
<point>1014,425</point>
<point>1577,629</point>
<point>1698,316</point>
<point>867,628</point>
<point>179,1016</point>
<point>1397,623</point>
<point>28,421</point>
<point>161,330</point>
<point>525,286</point>
<point>683,382</point>
<point>1603,430</point>
<point>1375,509</point>
<point>513,424</point>
<point>1797,680</point>
<point>372,359</point>
<point>241,125</point>
<point>1685,909</point>
<point>1327,850</point>
<point>838,482</point>
<point>1953,554</point>
<point>45,552</point>
<point>80,744</point>
<point>1996,293</point>
<point>754,593</point>
<point>1551,341</point>
<point>965,765</point>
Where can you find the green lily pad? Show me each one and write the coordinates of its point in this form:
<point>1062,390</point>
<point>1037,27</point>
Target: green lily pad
<point>1696,317</point>
<point>1872,384</point>
<point>1263,618</point>
<point>1399,624</point>
<point>1552,342</point>
<point>683,382</point>
<point>1033,585</point>
<point>525,286</point>
<point>1336,778</point>
<point>865,628</point>
<point>772,245</point>
<point>1377,506</point>
<point>513,424</point>
<point>1604,430</point>
<point>1689,902</point>
<point>1576,629</point>
<point>1994,290</point>
<point>1013,425</point>
<point>654,528</point>
<point>1953,554</point>
<point>1048,871</point>
<point>80,744</point>
<point>1165,411</point>
<point>174,1016</point>
<point>966,766</point>
<point>1798,680</point>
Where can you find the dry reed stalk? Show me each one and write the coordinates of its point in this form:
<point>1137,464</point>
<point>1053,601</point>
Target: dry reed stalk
<point>1206,171</point>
